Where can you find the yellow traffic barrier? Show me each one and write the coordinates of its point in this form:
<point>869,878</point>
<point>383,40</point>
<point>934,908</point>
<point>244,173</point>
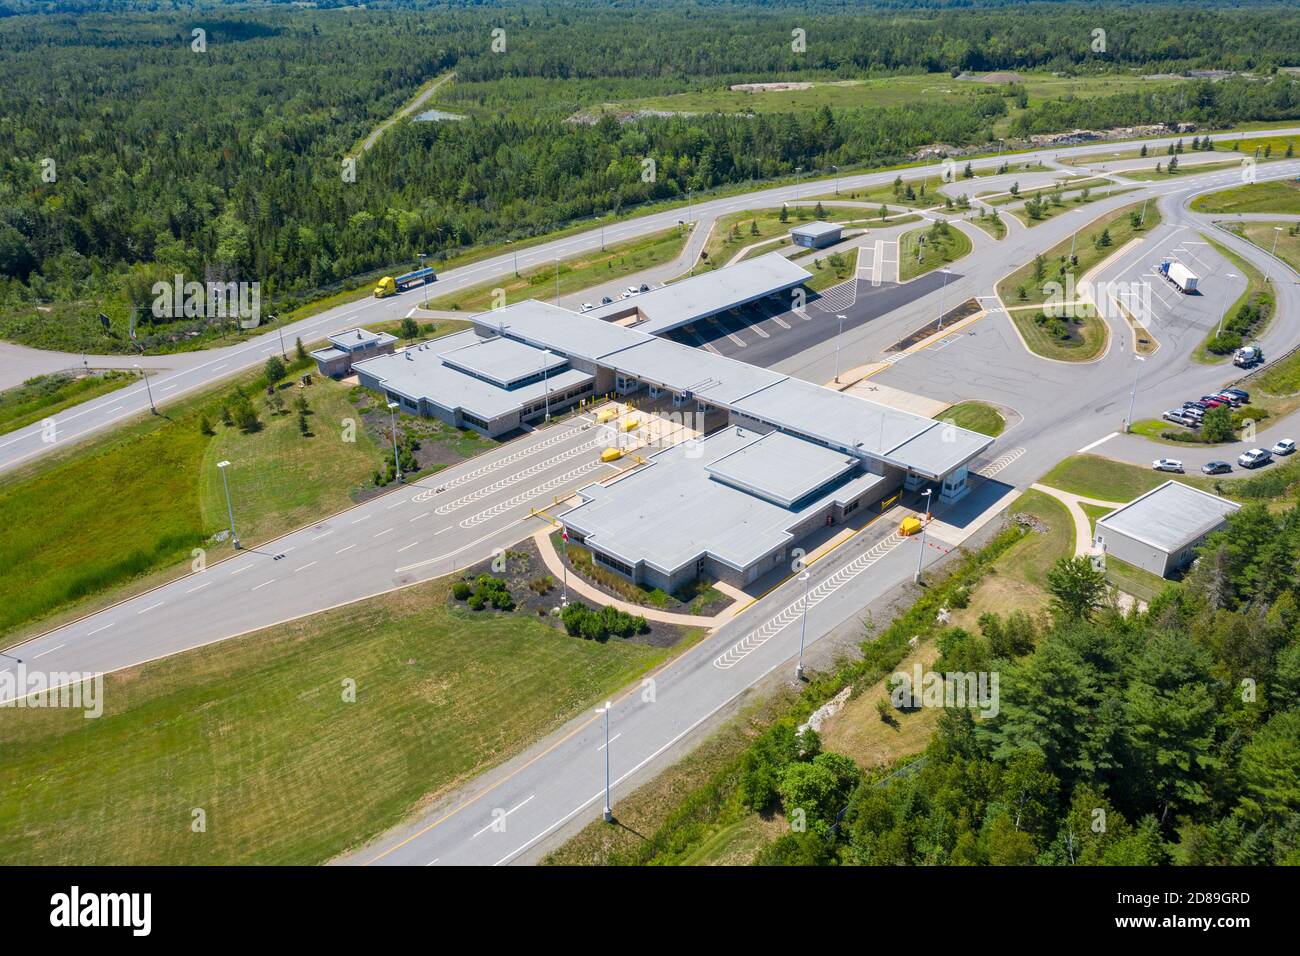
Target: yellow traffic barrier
<point>606,415</point>
<point>911,525</point>
<point>611,454</point>
<point>631,424</point>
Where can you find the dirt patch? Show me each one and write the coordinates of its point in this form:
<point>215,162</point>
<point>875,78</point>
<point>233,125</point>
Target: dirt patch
<point>537,593</point>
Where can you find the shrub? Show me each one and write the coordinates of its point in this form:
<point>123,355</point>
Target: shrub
<point>461,590</point>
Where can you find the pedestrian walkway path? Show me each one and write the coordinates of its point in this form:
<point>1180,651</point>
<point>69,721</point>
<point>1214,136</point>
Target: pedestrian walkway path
<point>1082,526</point>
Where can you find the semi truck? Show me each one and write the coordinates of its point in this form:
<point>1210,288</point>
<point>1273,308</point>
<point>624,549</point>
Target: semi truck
<point>1182,277</point>
<point>390,285</point>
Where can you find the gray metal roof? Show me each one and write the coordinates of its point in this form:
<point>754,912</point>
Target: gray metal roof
<point>781,468</point>
<point>540,324</point>
<point>684,369</point>
<point>673,511</point>
<point>689,300</point>
<point>816,229</point>
<point>328,354</point>
<point>419,373</point>
<point>939,449</point>
<point>1170,516</point>
<point>353,339</point>
<point>502,361</point>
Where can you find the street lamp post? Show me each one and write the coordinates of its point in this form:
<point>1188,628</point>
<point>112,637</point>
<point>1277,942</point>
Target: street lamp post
<point>838,336</point>
<point>557,280</point>
<point>837,179</point>
<point>546,392</point>
<point>425,298</point>
<point>1277,231</point>
<point>230,508</point>
<point>803,628</point>
<point>797,171</point>
<point>284,353</point>
<point>392,427</point>
<point>153,409</point>
<point>1143,218</point>
<point>609,810</point>
<point>1128,422</point>
<point>920,555</point>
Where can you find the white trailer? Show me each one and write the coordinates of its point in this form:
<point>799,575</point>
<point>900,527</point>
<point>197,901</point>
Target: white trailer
<point>1182,277</point>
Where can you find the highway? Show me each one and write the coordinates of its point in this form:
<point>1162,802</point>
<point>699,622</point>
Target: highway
<point>176,375</point>
<point>418,532</point>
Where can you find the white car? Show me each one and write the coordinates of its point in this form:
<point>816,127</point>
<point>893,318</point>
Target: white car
<point>1254,458</point>
<point>1284,447</point>
<point>632,290</point>
<point>587,307</point>
<point>1167,464</point>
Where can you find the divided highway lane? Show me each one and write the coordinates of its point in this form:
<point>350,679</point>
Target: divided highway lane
<point>515,810</point>
<point>409,535</point>
<point>190,371</point>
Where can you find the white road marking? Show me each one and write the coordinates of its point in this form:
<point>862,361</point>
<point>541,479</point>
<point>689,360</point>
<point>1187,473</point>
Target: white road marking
<point>198,587</point>
<point>150,608</point>
<point>240,570</point>
<point>1099,441</point>
<point>323,534</point>
<point>262,585</point>
<point>348,548</point>
<point>381,533</point>
<point>407,547</point>
<point>361,519</point>
<point>611,740</point>
<point>422,514</point>
<point>49,651</point>
<point>98,629</point>
<point>503,816</point>
<point>304,567</point>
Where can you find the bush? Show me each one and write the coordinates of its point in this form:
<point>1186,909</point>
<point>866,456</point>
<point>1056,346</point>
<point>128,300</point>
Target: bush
<point>461,590</point>
<point>582,621</point>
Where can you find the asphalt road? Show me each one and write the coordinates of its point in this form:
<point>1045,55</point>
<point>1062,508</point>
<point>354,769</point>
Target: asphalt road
<point>177,375</point>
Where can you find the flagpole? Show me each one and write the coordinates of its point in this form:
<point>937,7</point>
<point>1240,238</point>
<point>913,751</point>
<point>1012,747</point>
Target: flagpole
<point>564,564</point>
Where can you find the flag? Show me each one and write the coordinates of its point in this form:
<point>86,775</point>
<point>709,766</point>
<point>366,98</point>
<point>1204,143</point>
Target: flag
<point>564,533</point>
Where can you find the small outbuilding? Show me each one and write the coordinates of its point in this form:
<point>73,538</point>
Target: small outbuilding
<point>816,235</point>
<point>347,348</point>
<point>1161,530</point>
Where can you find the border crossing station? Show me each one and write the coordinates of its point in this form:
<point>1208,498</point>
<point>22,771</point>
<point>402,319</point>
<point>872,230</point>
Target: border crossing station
<point>780,458</point>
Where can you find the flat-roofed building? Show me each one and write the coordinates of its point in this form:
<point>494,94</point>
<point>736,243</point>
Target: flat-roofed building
<point>1161,530</point>
<point>493,386</point>
<point>817,234</point>
<point>354,345</point>
<point>728,507</point>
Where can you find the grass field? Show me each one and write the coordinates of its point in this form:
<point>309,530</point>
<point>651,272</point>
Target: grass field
<point>1274,237</point>
<point>138,500</point>
<point>1278,195</point>
<point>886,91</point>
<point>1183,169</point>
<point>1257,291</point>
<point>977,416</point>
<point>1095,477</point>
<point>738,230</point>
<point>993,225</point>
<point>1052,204</point>
<point>256,733</point>
<point>924,250</point>
<point>47,395</point>
<point>1056,265</point>
<point>576,273</point>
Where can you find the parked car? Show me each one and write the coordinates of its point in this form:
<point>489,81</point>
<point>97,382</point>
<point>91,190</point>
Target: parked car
<point>1284,447</point>
<point>1195,414</point>
<point>633,290</point>
<point>1241,393</point>
<point>1167,464</point>
<point>1199,406</point>
<point>587,307</point>
<point>644,287</point>
<point>1254,458</point>
<point>1233,400</point>
<point>1178,417</point>
<point>1216,467</point>
<point>605,300</point>
<point>1213,401</point>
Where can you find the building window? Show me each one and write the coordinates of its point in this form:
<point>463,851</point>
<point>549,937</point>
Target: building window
<point>613,563</point>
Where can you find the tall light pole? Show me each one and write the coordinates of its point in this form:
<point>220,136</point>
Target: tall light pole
<point>920,555</point>
<point>1277,231</point>
<point>230,508</point>
<point>1143,218</point>
<point>557,280</point>
<point>392,427</point>
<point>546,392</point>
<point>511,242</point>
<point>284,354</point>
<point>838,336</point>
<point>148,391</point>
<point>943,295</point>
<point>837,179</point>
<point>425,303</point>
<point>1128,422</point>
<point>803,628</point>
<point>797,171</point>
<point>609,810</point>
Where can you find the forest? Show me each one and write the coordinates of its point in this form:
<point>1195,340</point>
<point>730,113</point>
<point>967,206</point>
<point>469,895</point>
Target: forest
<point>127,156</point>
<point>1170,736</point>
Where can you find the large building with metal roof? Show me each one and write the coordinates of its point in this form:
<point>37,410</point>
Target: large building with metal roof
<point>794,455</point>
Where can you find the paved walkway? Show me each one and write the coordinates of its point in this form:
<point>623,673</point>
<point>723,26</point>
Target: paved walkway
<point>542,538</point>
<point>1082,526</point>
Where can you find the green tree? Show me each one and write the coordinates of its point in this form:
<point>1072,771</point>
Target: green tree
<point>275,370</point>
<point>1270,769</point>
<point>1076,587</point>
<point>409,328</point>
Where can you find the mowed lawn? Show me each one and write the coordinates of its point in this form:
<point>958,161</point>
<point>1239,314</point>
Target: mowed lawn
<point>127,506</point>
<point>1279,195</point>
<point>977,416</point>
<point>256,733</point>
<point>917,257</point>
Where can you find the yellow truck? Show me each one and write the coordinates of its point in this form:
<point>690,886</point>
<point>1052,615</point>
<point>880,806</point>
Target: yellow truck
<point>389,285</point>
